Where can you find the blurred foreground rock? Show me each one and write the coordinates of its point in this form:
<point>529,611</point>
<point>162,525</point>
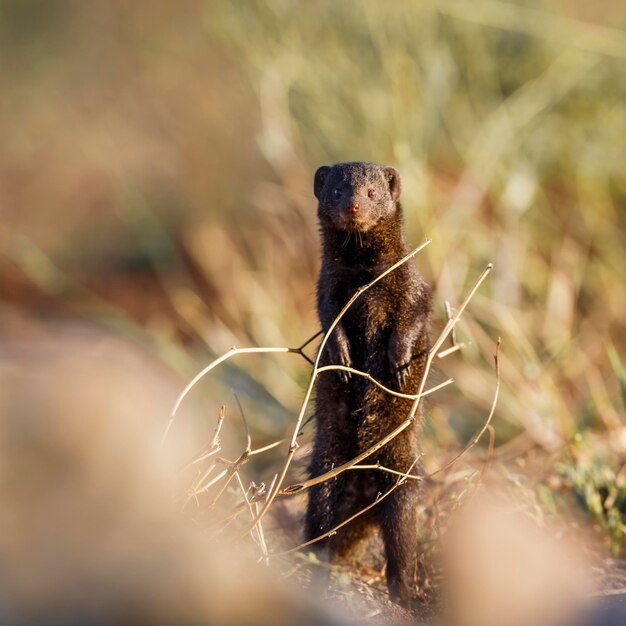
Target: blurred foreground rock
<point>89,531</point>
<point>502,568</point>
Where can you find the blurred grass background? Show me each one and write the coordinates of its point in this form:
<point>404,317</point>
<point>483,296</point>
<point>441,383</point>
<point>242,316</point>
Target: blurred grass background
<point>156,169</point>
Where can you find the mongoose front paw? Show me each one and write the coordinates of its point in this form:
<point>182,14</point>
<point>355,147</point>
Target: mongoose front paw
<point>402,373</point>
<point>400,359</point>
<point>339,353</point>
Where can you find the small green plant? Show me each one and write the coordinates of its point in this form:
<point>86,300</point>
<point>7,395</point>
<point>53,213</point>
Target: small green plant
<point>601,490</point>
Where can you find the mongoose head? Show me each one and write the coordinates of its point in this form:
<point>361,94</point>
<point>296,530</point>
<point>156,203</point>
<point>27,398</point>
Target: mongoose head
<point>356,196</point>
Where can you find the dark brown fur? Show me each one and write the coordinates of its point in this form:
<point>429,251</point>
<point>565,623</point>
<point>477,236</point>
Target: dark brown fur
<point>384,333</point>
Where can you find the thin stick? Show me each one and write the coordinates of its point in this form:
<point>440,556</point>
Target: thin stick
<point>245,495</point>
<point>408,396</point>
<point>486,425</point>
<point>218,427</point>
<point>309,340</point>
<point>382,468</point>
<point>267,447</point>
<point>256,497</point>
<point>261,535</point>
<point>448,309</point>
<point>205,456</point>
<point>214,446</point>
<point>245,424</point>
<point>454,348</point>
<point>232,352</point>
<point>200,490</point>
<point>391,392</point>
<point>490,447</point>
<point>200,478</point>
<point>232,469</point>
<point>253,512</point>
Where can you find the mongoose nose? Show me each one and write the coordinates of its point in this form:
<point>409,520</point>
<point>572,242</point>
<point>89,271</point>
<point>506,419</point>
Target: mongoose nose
<point>353,207</point>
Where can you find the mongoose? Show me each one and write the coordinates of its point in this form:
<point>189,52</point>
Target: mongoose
<point>384,333</point>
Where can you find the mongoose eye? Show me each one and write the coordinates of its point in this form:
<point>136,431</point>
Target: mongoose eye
<point>371,193</point>
<point>337,193</point>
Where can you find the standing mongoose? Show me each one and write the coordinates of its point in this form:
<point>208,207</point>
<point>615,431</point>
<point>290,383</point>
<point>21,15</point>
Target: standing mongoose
<point>384,333</point>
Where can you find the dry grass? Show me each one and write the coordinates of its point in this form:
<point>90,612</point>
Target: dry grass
<point>156,175</point>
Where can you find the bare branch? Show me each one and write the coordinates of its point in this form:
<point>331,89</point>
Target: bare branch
<point>253,508</point>
<point>391,392</point>
<point>245,424</point>
<point>454,348</point>
<point>267,447</point>
<point>232,352</point>
<point>218,427</point>
<point>487,423</point>
<point>448,310</point>
<point>382,468</point>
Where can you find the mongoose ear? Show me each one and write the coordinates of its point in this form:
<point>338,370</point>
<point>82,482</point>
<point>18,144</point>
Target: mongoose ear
<point>320,179</point>
<point>395,182</point>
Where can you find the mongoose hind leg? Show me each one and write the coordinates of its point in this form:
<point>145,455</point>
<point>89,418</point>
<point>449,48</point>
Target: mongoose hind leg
<point>319,520</point>
<point>327,498</point>
<point>348,541</point>
<point>398,516</point>
<point>399,529</point>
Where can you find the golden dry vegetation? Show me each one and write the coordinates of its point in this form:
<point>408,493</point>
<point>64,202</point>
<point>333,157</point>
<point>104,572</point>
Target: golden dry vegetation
<point>156,187</point>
